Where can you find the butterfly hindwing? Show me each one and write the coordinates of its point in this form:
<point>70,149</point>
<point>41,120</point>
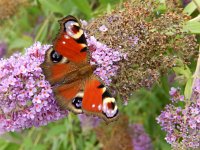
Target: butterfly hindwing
<point>97,100</point>
<point>70,96</point>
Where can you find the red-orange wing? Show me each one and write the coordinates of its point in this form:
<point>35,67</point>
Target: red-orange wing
<point>61,64</point>
<point>71,42</point>
<point>56,72</point>
<point>69,96</point>
<point>98,101</point>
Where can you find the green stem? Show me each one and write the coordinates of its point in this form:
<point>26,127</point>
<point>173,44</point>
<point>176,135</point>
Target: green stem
<point>10,139</point>
<point>28,136</point>
<point>71,133</point>
<point>42,29</point>
<point>37,138</point>
<point>196,74</point>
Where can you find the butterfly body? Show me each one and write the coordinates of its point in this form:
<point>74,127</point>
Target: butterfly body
<point>70,73</point>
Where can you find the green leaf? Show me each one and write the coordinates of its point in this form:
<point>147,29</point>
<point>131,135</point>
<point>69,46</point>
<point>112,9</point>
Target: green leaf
<point>104,2</point>
<point>192,26</point>
<point>84,7</point>
<point>53,6</point>
<point>3,145</point>
<point>183,71</point>
<point>23,42</point>
<point>190,8</point>
<point>43,34</point>
<point>27,143</point>
<point>58,129</point>
<point>162,1</point>
<point>12,146</point>
<point>39,147</point>
<point>188,88</point>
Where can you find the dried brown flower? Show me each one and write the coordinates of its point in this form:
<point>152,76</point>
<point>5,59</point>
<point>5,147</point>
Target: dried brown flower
<point>153,40</point>
<point>9,8</point>
<point>115,136</point>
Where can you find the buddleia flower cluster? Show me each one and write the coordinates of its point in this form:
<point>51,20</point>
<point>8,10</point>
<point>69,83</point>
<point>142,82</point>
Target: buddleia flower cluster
<point>152,39</point>
<point>88,122</point>
<point>26,98</point>
<point>140,139</point>
<point>182,124</point>
<point>105,58</point>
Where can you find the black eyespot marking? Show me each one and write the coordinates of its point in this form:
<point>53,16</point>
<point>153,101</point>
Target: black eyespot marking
<point>106,94</point>
<point>84,49</point>
<point>77,102</point>
<point>101,86</point>
<point>55,56</point>
<point>82,39</point>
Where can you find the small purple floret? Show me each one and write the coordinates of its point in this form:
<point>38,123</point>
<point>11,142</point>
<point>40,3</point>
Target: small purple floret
<point>182,124</point>
<point>3,48</point>
<point>105,58</point>
<point>140,139</point>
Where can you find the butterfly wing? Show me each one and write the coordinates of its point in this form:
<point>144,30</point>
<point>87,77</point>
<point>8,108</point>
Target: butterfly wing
<point>61,73</point>
<point>62,64</point>
<point>56,67</point>
<point>67,68</point>
<point>97,100</point>
<point>71,41</point>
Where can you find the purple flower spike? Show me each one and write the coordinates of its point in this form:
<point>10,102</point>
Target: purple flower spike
<point>88,122</point>
<point>185,2</point>
<point>140,139</point>
<point>182,124</point>
<point>3,48</point>
<point>175,94</point>
<point>105,58</point>
<point>26,98</point>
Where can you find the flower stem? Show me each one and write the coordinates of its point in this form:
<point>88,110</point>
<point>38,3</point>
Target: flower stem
<point>197,71</point>
<point>71,133</point>
<point>37,138</point>
<point>28,136</point>
<point>42,29</point>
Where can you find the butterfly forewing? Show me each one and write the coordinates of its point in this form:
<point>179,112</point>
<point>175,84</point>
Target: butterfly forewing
<point>71,42</point>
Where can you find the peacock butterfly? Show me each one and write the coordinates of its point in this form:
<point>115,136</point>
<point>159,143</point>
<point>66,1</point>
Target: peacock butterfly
<point>67,68</point>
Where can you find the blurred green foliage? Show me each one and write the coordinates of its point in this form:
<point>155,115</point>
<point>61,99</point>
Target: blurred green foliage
<point>37,21</point>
